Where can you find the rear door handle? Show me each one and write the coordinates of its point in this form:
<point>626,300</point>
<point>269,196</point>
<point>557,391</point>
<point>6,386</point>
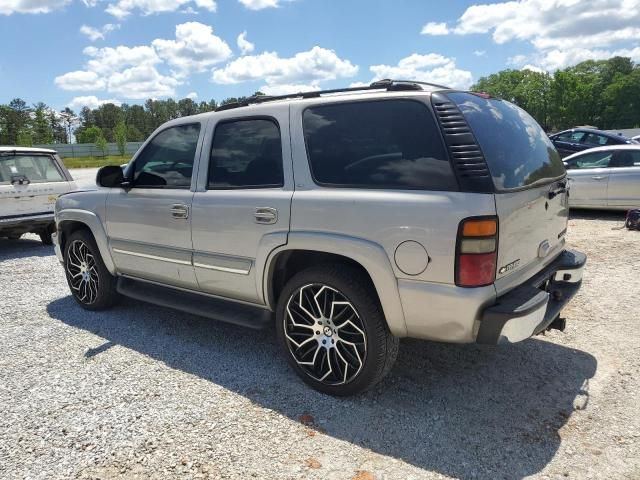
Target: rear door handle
<point>179,211</point>
<point>598,177</point>
<point>266,215</point>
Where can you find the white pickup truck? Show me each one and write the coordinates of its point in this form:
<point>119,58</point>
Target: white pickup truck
<point>31,179</point>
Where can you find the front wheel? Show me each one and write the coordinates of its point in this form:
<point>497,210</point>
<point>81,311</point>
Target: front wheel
<point>332,328</point>
<point>91,284</point>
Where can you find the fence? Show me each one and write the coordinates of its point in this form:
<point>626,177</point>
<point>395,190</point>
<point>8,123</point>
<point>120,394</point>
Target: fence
<point>74,150</point>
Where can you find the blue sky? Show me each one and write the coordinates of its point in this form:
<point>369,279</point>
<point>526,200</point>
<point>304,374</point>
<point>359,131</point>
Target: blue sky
<point>71,52</point>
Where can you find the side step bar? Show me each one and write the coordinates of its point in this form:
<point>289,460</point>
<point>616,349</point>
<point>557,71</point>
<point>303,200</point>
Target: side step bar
<point>204,306</point>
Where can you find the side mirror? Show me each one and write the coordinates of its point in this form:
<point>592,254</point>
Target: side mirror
<point>110,176</point>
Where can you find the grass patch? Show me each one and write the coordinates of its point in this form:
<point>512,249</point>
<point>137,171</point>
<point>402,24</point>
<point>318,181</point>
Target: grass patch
<point>94,162</point>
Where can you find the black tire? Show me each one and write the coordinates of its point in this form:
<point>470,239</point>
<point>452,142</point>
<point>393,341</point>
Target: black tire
<point>14,236</point>
<point>45,237</point>
<point>354,365</point>
<point>98,291</point>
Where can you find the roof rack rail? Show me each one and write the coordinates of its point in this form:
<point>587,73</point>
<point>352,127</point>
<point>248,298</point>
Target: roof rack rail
<point>386,84</point>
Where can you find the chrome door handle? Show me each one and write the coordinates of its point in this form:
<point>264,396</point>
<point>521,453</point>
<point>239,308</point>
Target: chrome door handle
<point>598,177</point>
<point>179,211</point>
<point>266,215</point>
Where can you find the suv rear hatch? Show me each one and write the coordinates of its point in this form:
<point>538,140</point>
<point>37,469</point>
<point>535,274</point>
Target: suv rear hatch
<point>30,183</point>
<point>529,184</point>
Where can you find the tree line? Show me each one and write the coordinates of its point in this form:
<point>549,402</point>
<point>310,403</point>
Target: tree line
<point>603,93</point>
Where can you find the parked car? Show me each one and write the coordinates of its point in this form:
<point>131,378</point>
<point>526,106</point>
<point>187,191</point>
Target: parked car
<point>579,139</point>
<point>31,179</point>
<point>605,177</point>
<point>395,210</point>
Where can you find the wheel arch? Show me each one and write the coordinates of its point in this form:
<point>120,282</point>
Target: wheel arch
<point>71,220</point>
<point>306,248</point>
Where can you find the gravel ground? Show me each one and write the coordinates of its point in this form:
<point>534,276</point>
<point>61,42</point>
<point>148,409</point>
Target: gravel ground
<point>143,392</point>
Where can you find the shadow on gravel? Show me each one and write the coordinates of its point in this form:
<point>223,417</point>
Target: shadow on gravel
<point>22,248</point>
<point>605,215</point>
<point>460,410</point>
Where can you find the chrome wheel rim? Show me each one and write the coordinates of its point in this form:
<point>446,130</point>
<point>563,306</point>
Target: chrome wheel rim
<point>325,334</point>
<point>82,272</point>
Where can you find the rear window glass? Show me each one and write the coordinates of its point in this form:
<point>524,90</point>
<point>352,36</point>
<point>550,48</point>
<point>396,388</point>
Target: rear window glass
<point>377,144</point>
<point>37,168</point>
<point>517,151</point>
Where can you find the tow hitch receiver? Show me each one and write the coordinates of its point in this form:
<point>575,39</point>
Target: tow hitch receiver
<point>558,324</point>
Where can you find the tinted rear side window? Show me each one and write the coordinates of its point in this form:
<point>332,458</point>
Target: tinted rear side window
<point>517,151</point>
<point>246,154</point>
<point>381,144</point>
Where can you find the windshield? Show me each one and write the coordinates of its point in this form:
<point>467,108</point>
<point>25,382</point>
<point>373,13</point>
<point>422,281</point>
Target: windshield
<point>517,151</point>
<point>37,168</point>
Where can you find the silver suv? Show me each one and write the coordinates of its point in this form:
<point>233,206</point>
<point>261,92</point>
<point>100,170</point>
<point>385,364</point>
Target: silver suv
<point>353,217</point>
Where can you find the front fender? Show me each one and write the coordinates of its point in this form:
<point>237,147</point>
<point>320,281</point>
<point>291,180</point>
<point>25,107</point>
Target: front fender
<point>92,221</point>
<point>370,255</point>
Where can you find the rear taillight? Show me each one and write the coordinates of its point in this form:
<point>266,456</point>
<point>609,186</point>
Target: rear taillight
<point>477,252</point>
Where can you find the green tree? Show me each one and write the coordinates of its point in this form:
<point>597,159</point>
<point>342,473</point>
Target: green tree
<point>101,145</point>
<point>24,138</point>
<point>42,132</point>
<point>89,135</point>
<point>120,134</point>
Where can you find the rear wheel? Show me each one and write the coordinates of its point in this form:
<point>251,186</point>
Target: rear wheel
<point>91,284</point>
<point>332,328</point>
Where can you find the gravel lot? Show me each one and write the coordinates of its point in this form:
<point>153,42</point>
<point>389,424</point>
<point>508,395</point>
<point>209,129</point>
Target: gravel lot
<point>143,392</point>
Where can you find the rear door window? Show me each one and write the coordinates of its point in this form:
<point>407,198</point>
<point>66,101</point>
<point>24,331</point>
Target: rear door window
<point>37,168</point>
<point>246,154</point>
<point>518,152</point>
<point>393,144</point>
<point>591,160</point>
<point>595,139</point>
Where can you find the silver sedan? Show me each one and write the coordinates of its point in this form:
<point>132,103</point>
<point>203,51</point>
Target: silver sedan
<point>605,177</point>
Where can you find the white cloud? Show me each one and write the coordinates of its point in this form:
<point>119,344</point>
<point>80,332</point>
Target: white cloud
<point>194,50</point>
<point>80,80</point>
<point>260,4</point>
<point>90,101</point>
<point>244,45</point>
<point>562,32</point>
<point>434,28</point>
<point>192,95</point>
<point>141,82</point>
<point>432,67</point>
<point>8,7</point>
<point>98,34</point>
<point>552,60</point>
<point>123,8</point>
<point>480,53</point>
<point>517,60</point>
<point>304,68</point>
<point>110,59</point>
<point>285,89</point>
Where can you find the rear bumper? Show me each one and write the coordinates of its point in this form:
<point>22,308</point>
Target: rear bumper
<point>531,307</point>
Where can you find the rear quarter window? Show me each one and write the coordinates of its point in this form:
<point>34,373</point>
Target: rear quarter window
<point>516,149</point>
<point>391,144</point>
